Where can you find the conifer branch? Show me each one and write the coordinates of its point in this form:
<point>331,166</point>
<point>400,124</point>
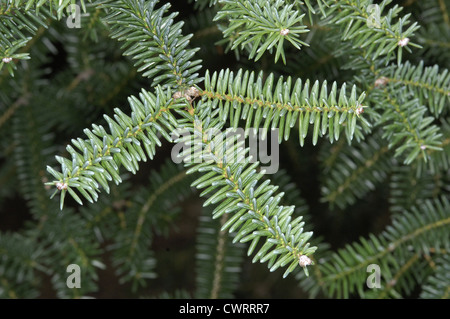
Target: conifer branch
<point>345,273</point>
<point>431,86</point>
<point>98,158</point>
<point>282,105</point>
<point>155,41</point>
<point>229,178</point>
<point>437,286</point>
<point>356,171</point>
<point>407,128</point>
<point>20,21</point>
<point>218,259</point>
<point>260,26</point>
<point>367,27</point>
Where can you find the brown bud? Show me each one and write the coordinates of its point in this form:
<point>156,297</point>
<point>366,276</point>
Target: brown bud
<point>177,95</point>
<point>381,81</point>
<point>192,92</point>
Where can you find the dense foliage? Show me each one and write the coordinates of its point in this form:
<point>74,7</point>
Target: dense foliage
<point>95,96</point>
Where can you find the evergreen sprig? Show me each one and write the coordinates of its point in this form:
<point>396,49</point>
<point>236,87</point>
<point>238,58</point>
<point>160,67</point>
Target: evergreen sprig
<point>429,84</point>
<point>419,185</point>
<point>422,229</point>
<point>20,20</point>
<point>96,160</point>
<point>282,104</point>
<point>150,213</point>
<point>369,28</point>
<point>406,126</point>
<point>232,182</point>
<point>153,39</point>
<point>260,26</point>
<point>75,245</point>
<point>219,260</point>
<point>437,286</point>
<point>355,170</point>
<point>21,263</point>
<point>26,5</point>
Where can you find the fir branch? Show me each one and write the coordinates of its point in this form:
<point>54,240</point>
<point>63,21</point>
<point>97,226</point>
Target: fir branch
<point>248,207</point>
<point>426,225</point>
<point>98,158</point>
<point>76,245</point>
<point>367,27</point>
<point>357,169</point>
<point>431,86</point>
<point>282,105</point>
<point>230,179</point>
<point>391,288</point>
<point>408,188</point>
<point>435,41</point>
<point>20,21</point>
<point>440,160</point>
<point>169,187</point>
<point>31,168</point>
<point>155,41</point>
<point>437,286</point>
<point>22,261</point>
<point>406,127</point>
<point>218,258</point>
<point>135,217</point>
<point>59,6</point>
<point>260,26</point>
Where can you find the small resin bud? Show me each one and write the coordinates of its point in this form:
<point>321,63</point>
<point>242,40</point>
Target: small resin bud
<point>381,81</point>
<point>403,42</point>
<point>61,185</point>
<point>359,110</point>
<point>284,31</point>
<point>193,92</point>
<point>177,95</point>
<point>304,261</point>
<point>7,60</point>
